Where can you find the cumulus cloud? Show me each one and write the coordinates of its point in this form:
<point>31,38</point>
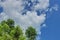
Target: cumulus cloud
<point>43,4</point>
<point>14,9</point>
<point>3,16</point>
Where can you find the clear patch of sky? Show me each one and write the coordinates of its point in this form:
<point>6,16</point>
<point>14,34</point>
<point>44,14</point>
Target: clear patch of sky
<point>52,31</point>
<point>1,9</point>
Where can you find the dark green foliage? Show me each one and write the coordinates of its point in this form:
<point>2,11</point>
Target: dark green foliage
<point>31,33</point>
<point>16,32</point>
<point>3,22</point>
<point>8,31</point>
<point>10,22</point>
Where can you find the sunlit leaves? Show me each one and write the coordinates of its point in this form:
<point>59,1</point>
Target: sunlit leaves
<point>8,31</point>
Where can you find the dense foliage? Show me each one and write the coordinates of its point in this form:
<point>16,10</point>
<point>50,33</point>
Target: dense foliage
<point>8,31</point>
<point>31,33</point>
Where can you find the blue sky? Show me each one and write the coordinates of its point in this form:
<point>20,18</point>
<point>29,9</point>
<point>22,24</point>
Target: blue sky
<point>51,18</point>
<point>52,30</point>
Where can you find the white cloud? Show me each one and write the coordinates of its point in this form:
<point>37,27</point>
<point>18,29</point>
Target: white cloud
<point>43,4</point>
<point>13,9</point>
<point>3,16</point>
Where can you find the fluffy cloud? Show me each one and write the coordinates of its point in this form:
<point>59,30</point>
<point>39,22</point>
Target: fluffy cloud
<point>14,8</point>
<point>43,4</point>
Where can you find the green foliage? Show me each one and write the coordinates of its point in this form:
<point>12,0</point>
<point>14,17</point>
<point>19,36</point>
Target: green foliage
<point>21,37</point>
<point>5,28</point>
<point>3,22</point>
<point>15,33</point>
<point>6,36</point>
<point>8,31</point>
<point>10,22</point>
<point>31,33</point>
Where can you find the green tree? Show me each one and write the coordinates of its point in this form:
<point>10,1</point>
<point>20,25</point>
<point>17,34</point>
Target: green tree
<point>3,22</point>
<point>21,37</point>
<point>5,28</point>
<point>8,31</point>
<point>6,36</point>
<point>1,30</point>
<point>15,33</point>
<point>31,33</point>
<point>10,22</point>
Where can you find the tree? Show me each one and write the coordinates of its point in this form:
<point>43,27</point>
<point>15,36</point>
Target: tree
<point>1,30</point>
<point>31,33</point>
<point>15,33</point>
<point>8,31</point>
<point>21,37</point>
<point>3,22</point>
<point>6,36</point>
<point>11,23</point>
<point>5,28</point>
